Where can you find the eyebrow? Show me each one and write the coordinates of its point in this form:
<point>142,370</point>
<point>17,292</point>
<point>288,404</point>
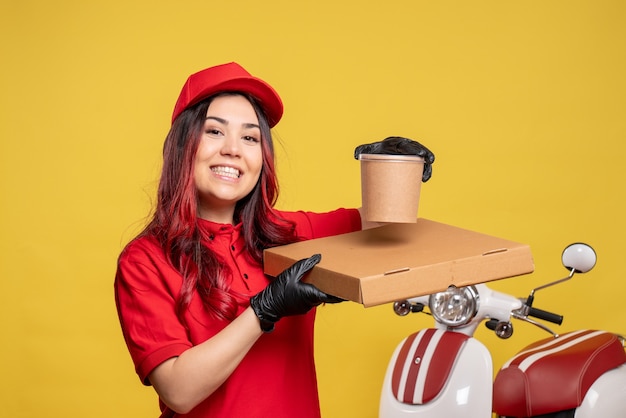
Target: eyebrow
<point>225,122</point>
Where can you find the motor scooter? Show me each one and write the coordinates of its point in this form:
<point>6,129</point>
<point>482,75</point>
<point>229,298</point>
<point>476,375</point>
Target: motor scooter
<point>445,372</point>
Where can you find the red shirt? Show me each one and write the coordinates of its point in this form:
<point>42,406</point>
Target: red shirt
<point>277,377</point>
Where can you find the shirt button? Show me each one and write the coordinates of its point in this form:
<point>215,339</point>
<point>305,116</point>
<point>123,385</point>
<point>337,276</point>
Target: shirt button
<point>232,247</point>
<point>245,276</point>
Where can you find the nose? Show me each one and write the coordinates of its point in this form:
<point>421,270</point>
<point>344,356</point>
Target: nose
<point>231,145</point>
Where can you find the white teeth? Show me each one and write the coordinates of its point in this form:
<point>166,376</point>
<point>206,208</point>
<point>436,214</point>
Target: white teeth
<point>226,171</point>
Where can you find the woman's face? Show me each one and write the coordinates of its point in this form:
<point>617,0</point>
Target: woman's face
<point>229,157</point>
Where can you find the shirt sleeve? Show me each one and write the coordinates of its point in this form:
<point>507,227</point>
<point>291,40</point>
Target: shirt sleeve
<point>311,225</point>
<point>146,289</point>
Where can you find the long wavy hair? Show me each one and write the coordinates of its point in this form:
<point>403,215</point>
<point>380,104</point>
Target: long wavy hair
<point>175,220</point>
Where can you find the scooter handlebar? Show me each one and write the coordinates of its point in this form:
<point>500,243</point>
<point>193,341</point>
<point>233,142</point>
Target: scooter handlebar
<point>546,316</point>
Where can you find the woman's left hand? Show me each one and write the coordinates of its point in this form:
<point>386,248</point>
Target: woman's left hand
<point>397,145</point>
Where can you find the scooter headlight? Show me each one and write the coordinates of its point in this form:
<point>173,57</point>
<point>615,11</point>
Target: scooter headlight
<point>454,307</point>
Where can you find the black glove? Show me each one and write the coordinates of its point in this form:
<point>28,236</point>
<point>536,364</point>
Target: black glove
<point>288,295</point>
<point>397,145</point>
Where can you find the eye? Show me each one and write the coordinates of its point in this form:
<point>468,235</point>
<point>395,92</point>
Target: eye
<point>250,138</point>
<point>212,132</point>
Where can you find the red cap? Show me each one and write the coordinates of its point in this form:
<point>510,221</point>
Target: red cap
<point>229,77</point>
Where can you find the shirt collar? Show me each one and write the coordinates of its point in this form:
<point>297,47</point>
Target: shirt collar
<point>218,228</point>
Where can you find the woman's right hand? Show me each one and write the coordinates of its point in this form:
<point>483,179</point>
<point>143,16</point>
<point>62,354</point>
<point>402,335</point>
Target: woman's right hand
<point>288,295</point>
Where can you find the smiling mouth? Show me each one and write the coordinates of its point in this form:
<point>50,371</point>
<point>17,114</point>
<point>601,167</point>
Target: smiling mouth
<point>226,172</point>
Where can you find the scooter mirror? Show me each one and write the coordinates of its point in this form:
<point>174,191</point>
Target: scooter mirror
<point>579,257</point>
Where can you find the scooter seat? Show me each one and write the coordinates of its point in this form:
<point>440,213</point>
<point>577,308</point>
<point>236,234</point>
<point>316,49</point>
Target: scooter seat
<point>555,374</point>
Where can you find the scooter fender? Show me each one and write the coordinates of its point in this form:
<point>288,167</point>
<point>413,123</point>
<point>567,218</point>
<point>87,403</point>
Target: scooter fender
<point>437,373</point>
<point>606,398</point>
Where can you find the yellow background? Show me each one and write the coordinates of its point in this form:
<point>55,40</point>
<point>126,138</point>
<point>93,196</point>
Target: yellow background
<point>522,102</point>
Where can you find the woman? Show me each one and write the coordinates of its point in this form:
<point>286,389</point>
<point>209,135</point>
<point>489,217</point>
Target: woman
<point>205,327</point>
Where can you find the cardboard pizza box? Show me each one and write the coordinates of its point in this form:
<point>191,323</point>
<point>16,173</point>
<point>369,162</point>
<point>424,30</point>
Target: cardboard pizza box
<point>400,261</point>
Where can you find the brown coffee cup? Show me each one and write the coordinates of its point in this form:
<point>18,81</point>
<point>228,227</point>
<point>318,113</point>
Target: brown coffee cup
<point>390,187</point>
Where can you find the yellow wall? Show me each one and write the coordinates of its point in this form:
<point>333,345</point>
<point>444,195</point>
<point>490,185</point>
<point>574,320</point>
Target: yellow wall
<point>523,103</point>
